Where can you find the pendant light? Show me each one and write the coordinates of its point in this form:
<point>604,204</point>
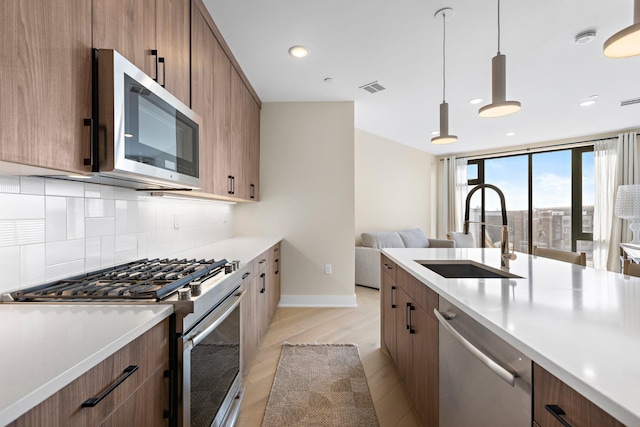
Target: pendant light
<point>499,106</point>
<point>444,137</point>
<point>625,42</point>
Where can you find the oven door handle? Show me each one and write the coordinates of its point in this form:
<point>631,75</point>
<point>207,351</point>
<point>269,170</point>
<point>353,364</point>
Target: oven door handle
<point>226,308</point>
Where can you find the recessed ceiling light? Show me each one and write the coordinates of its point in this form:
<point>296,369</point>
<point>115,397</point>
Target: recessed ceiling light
<point>298,51</point>
<point>585,37</point>
<point>589,101</point>
<point>510,133</point>
<point>475,101</point>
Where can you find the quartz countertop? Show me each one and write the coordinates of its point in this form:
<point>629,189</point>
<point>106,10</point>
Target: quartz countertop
<point>579,323</point>
<point>47,346</point>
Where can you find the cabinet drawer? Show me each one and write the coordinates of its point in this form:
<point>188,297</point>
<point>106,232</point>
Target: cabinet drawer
<point>423,296</point>
<point>578,410</point>
<point>261,262</point>
<point>149,353</point>
<point>389,268</point>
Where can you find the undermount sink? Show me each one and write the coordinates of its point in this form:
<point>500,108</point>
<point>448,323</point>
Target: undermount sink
<point>466,269</point>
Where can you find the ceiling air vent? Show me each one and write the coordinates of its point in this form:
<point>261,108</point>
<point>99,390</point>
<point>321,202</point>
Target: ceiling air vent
<point>373,87</point>
<point>630,102</point>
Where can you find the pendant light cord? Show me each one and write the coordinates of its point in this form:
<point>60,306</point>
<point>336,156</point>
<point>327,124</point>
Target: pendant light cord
<point>444,58</point>
<point>498,27</point>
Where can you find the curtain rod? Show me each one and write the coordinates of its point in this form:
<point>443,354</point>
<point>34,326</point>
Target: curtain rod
<point>527,150</point>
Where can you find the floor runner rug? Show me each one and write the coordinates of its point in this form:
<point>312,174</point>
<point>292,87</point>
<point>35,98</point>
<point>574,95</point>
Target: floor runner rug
<point>321,385</point>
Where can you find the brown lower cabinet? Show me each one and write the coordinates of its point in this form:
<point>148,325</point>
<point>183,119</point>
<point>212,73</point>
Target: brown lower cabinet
<point>262,295</point>
<point>140,400</point>
<point>550,395</point>
<point>416,338</point>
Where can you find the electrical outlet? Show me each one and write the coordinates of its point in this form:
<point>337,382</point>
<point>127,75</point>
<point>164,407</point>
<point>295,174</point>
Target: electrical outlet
<point>327,269</point>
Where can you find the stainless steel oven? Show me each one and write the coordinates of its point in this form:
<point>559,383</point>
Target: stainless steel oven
<point>209,359</point>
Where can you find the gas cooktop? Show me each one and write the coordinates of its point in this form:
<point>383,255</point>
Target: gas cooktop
<point>145,279</point>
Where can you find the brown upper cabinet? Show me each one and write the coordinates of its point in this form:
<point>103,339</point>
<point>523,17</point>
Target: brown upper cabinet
<point>154,35</point>
<point>230,135</point>
<point>46,83</point>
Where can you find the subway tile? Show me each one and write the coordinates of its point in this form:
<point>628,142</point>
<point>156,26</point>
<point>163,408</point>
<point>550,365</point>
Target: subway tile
<point>10,267</point>
<point>9,184</point>
<point>30,231</point>
<point>99,208</point>
<point>95,227</point>
<point>92,252</point>
<point>126,216</point>
<point>56,218</point>
<point>32,185</point>
<point>107,192</point>
<point>60,187</point>
<point>63,270</point>
<point>125,193</point>
<point>64,252</point>
<point>125,256</point>
<point>126,242</point>
<point>8,233</point>
<point>32,265</point>
<point>75,218</point>
<point>92,191</point>
<point>21,206</point>
<point>143,245</point>
<point>107,251</point>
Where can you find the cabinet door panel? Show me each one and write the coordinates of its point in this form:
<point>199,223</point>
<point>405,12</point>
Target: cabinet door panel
<point>238,129</point>
<point>202,68</point>
<point>424,392</point>
<point>173,44</point>
<point>389,312</point>
<point>221,122</point>
<point>46,82</point>
<point>128,26</point>
<point>403,338</point>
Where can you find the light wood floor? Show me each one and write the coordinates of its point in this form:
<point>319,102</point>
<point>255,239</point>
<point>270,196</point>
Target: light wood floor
<point>359,326</point>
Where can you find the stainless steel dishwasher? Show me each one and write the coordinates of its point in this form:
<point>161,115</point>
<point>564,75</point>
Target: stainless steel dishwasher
<point>483,380</point>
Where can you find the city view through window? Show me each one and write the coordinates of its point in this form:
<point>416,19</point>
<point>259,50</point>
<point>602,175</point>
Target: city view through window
<point>550,193</point>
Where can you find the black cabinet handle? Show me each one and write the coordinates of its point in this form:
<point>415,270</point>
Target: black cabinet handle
<point>231,184</point>
<point>264,282</point>
<point>411,308</point>
<point>262,261</point>
<point>406,315</point>
<point>277,265</point>
<point>387,266</point>
<point>89,161</point>
<point>252,191</point>
<point>557,413</point>
<point>93,401</point>
<point>164,71</point>
<point>245,275</point>
<point>393,294</point>
<point>154,52</point>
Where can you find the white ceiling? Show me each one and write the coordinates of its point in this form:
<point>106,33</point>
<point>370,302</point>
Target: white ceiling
<point>399,44</point>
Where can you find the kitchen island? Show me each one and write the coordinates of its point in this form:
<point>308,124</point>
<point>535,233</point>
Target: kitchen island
<point>580,324</point>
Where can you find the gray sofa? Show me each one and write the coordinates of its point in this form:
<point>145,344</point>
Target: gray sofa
<point>368,255</point>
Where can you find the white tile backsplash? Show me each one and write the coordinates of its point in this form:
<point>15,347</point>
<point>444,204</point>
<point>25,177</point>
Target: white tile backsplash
<point>52,228</point>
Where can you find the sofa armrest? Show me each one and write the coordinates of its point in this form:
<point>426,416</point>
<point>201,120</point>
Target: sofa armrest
<point>368,267</point>
<point>441,243</point>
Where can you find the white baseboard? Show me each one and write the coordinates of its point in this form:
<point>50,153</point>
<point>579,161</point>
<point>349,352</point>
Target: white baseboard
<point>318,301</point>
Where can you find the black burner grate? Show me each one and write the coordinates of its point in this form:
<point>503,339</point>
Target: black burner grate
<point>144,279</point>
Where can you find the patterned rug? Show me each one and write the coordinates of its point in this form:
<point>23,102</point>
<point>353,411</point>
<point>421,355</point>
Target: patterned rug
<point>320,385</point>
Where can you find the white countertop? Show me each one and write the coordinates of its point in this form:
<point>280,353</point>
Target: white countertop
<point>237,248</point>
<point>579,323</point>
<point>45,347</point>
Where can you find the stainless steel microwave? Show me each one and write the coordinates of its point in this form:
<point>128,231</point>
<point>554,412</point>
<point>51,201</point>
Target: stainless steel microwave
<point>145,134</point>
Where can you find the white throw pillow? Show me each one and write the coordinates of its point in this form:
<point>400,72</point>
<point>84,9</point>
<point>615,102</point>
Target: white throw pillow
<point>462,240</point>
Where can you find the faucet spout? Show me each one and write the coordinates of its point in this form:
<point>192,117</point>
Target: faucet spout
<point>505,255</point>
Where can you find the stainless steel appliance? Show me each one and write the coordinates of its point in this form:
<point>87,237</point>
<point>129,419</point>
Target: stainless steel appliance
<point>483,380</point>
<point>205,356</point>
<point>144,133</point>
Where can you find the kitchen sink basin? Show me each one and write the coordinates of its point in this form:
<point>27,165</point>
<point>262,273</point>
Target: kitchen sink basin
<point>465,269</point>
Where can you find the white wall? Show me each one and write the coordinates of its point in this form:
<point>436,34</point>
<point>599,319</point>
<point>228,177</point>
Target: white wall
<point>51,229</point>
<point>307,197</point>
<point>394,186</point>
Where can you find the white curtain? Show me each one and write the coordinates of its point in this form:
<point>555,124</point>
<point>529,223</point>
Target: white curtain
<point>455,192</point>
<point>616,163</point>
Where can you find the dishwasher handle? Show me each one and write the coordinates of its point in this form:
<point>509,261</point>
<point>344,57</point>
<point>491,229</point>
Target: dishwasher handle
<point>507,376</point>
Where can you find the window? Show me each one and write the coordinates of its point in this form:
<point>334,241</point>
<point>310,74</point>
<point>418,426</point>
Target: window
<point>549,198</point>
